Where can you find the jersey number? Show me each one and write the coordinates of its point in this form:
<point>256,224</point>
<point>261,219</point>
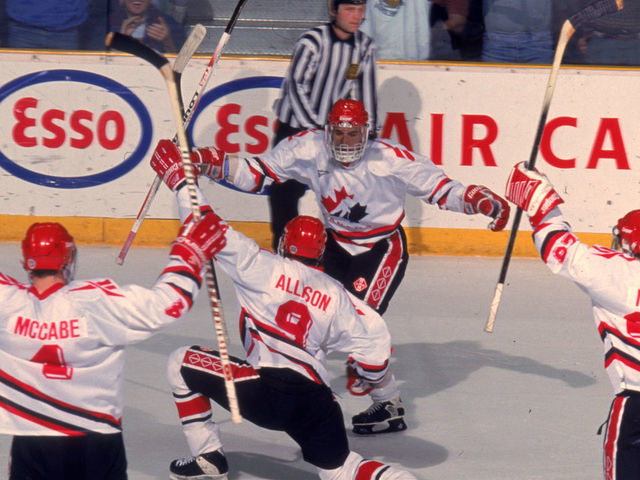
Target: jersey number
<point>54,366</point>
<point>294,318</point>
<point>633,324</point>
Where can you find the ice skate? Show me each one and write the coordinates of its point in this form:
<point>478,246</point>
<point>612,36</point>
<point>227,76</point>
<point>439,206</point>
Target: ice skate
<point>381,417</point>
<point>208,466</point>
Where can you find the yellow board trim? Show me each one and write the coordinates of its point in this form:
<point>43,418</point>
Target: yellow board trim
<point>160,233</point>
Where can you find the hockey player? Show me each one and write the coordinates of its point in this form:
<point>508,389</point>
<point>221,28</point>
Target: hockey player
<point>291,316</point>
<point>361,186</point>
<point>62,355</point>
<point>610,277</point>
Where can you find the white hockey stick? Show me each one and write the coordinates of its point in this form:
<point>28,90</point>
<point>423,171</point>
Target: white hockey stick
<point>157,181</point>
<point>589,13</point>
<point>180,63</point>
<point>130,45</point>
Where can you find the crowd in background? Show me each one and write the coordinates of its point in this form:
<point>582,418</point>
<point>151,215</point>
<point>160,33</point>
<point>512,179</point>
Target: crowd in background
<point>511,31</point>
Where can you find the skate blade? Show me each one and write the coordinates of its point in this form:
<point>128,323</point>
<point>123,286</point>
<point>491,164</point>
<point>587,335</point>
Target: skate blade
<point>222,476</point>
<point>396,425</point>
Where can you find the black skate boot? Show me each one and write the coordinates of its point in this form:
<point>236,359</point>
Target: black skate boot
<point>208,466</point>
<point>388,415</point>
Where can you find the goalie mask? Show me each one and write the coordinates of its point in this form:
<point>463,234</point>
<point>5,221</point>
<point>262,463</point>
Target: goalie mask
<point>303,237</point>
<point>48,246</point>
<point>626,234</point>
<point>347,131</point>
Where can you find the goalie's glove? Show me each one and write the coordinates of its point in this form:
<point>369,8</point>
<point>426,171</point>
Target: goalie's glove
<point>359,385</point>
<point>479,199</point>
<point>532,192</point>
<point>198,241</point>
<point>166,161</point>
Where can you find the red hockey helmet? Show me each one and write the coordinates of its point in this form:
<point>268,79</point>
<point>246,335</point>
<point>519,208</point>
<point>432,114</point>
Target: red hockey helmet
<point>347,114</point>
<point>626,234</point>
<point>303,236</point>
<point>48,246</point>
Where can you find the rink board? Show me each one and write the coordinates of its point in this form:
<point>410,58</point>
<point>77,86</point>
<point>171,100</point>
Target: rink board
<point>79,130</point>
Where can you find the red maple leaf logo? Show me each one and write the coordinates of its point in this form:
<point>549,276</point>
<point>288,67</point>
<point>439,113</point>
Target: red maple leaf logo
<point>330,204</point>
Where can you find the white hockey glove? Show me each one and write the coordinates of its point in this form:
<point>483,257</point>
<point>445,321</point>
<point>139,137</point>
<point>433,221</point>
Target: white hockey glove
<point>532,192</point>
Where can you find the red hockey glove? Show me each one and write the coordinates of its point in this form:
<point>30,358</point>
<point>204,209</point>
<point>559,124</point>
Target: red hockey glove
<point>209,161</point>
<point>532,192</point>
<point>357,385</point>
<point>479,199</point>
<point>197,242</point>
<point>166,161</point>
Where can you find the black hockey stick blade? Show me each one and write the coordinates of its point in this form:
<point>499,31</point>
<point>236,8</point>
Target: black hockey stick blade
<point>234,16</point>
<point>594,11</point>
<point>128,44</point>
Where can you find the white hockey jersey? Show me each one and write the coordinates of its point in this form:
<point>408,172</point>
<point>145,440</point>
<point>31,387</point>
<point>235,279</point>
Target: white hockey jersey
<point>292,315</point>
<point>62,352</point>
<point>363,203</point>
<point>612,281</point>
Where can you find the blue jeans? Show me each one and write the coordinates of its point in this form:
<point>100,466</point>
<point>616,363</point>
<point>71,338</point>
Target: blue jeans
<point>518,47</point>
<point>612,51</point>
<point>25,36</point>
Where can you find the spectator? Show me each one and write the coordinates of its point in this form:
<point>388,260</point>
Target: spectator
<point>612,39</point>
<point>61,389</point>
<point>51,24</point>
<point>399,28</point>
<point>142,20</point>
<point>457,27</point>
<point>518,31</point>
<point>96,27</point>
<point>331,61</point>
<point>178,10</point>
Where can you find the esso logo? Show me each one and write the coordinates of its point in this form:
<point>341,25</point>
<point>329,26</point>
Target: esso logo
<point>71,129</point>
<point>237,116</point>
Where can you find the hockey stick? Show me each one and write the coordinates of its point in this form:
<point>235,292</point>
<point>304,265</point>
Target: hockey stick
<point>130,45</point>
<point>153,190</point>
<point>593,11</point>
<point>182,59</point>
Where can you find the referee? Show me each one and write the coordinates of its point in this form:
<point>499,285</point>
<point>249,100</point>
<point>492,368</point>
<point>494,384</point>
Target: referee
<point>329,62</point>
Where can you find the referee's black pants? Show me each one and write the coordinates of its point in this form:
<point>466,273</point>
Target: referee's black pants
<point>284,197</point>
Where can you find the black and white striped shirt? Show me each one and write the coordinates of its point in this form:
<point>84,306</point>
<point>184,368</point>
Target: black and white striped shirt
<point>317,77</point>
